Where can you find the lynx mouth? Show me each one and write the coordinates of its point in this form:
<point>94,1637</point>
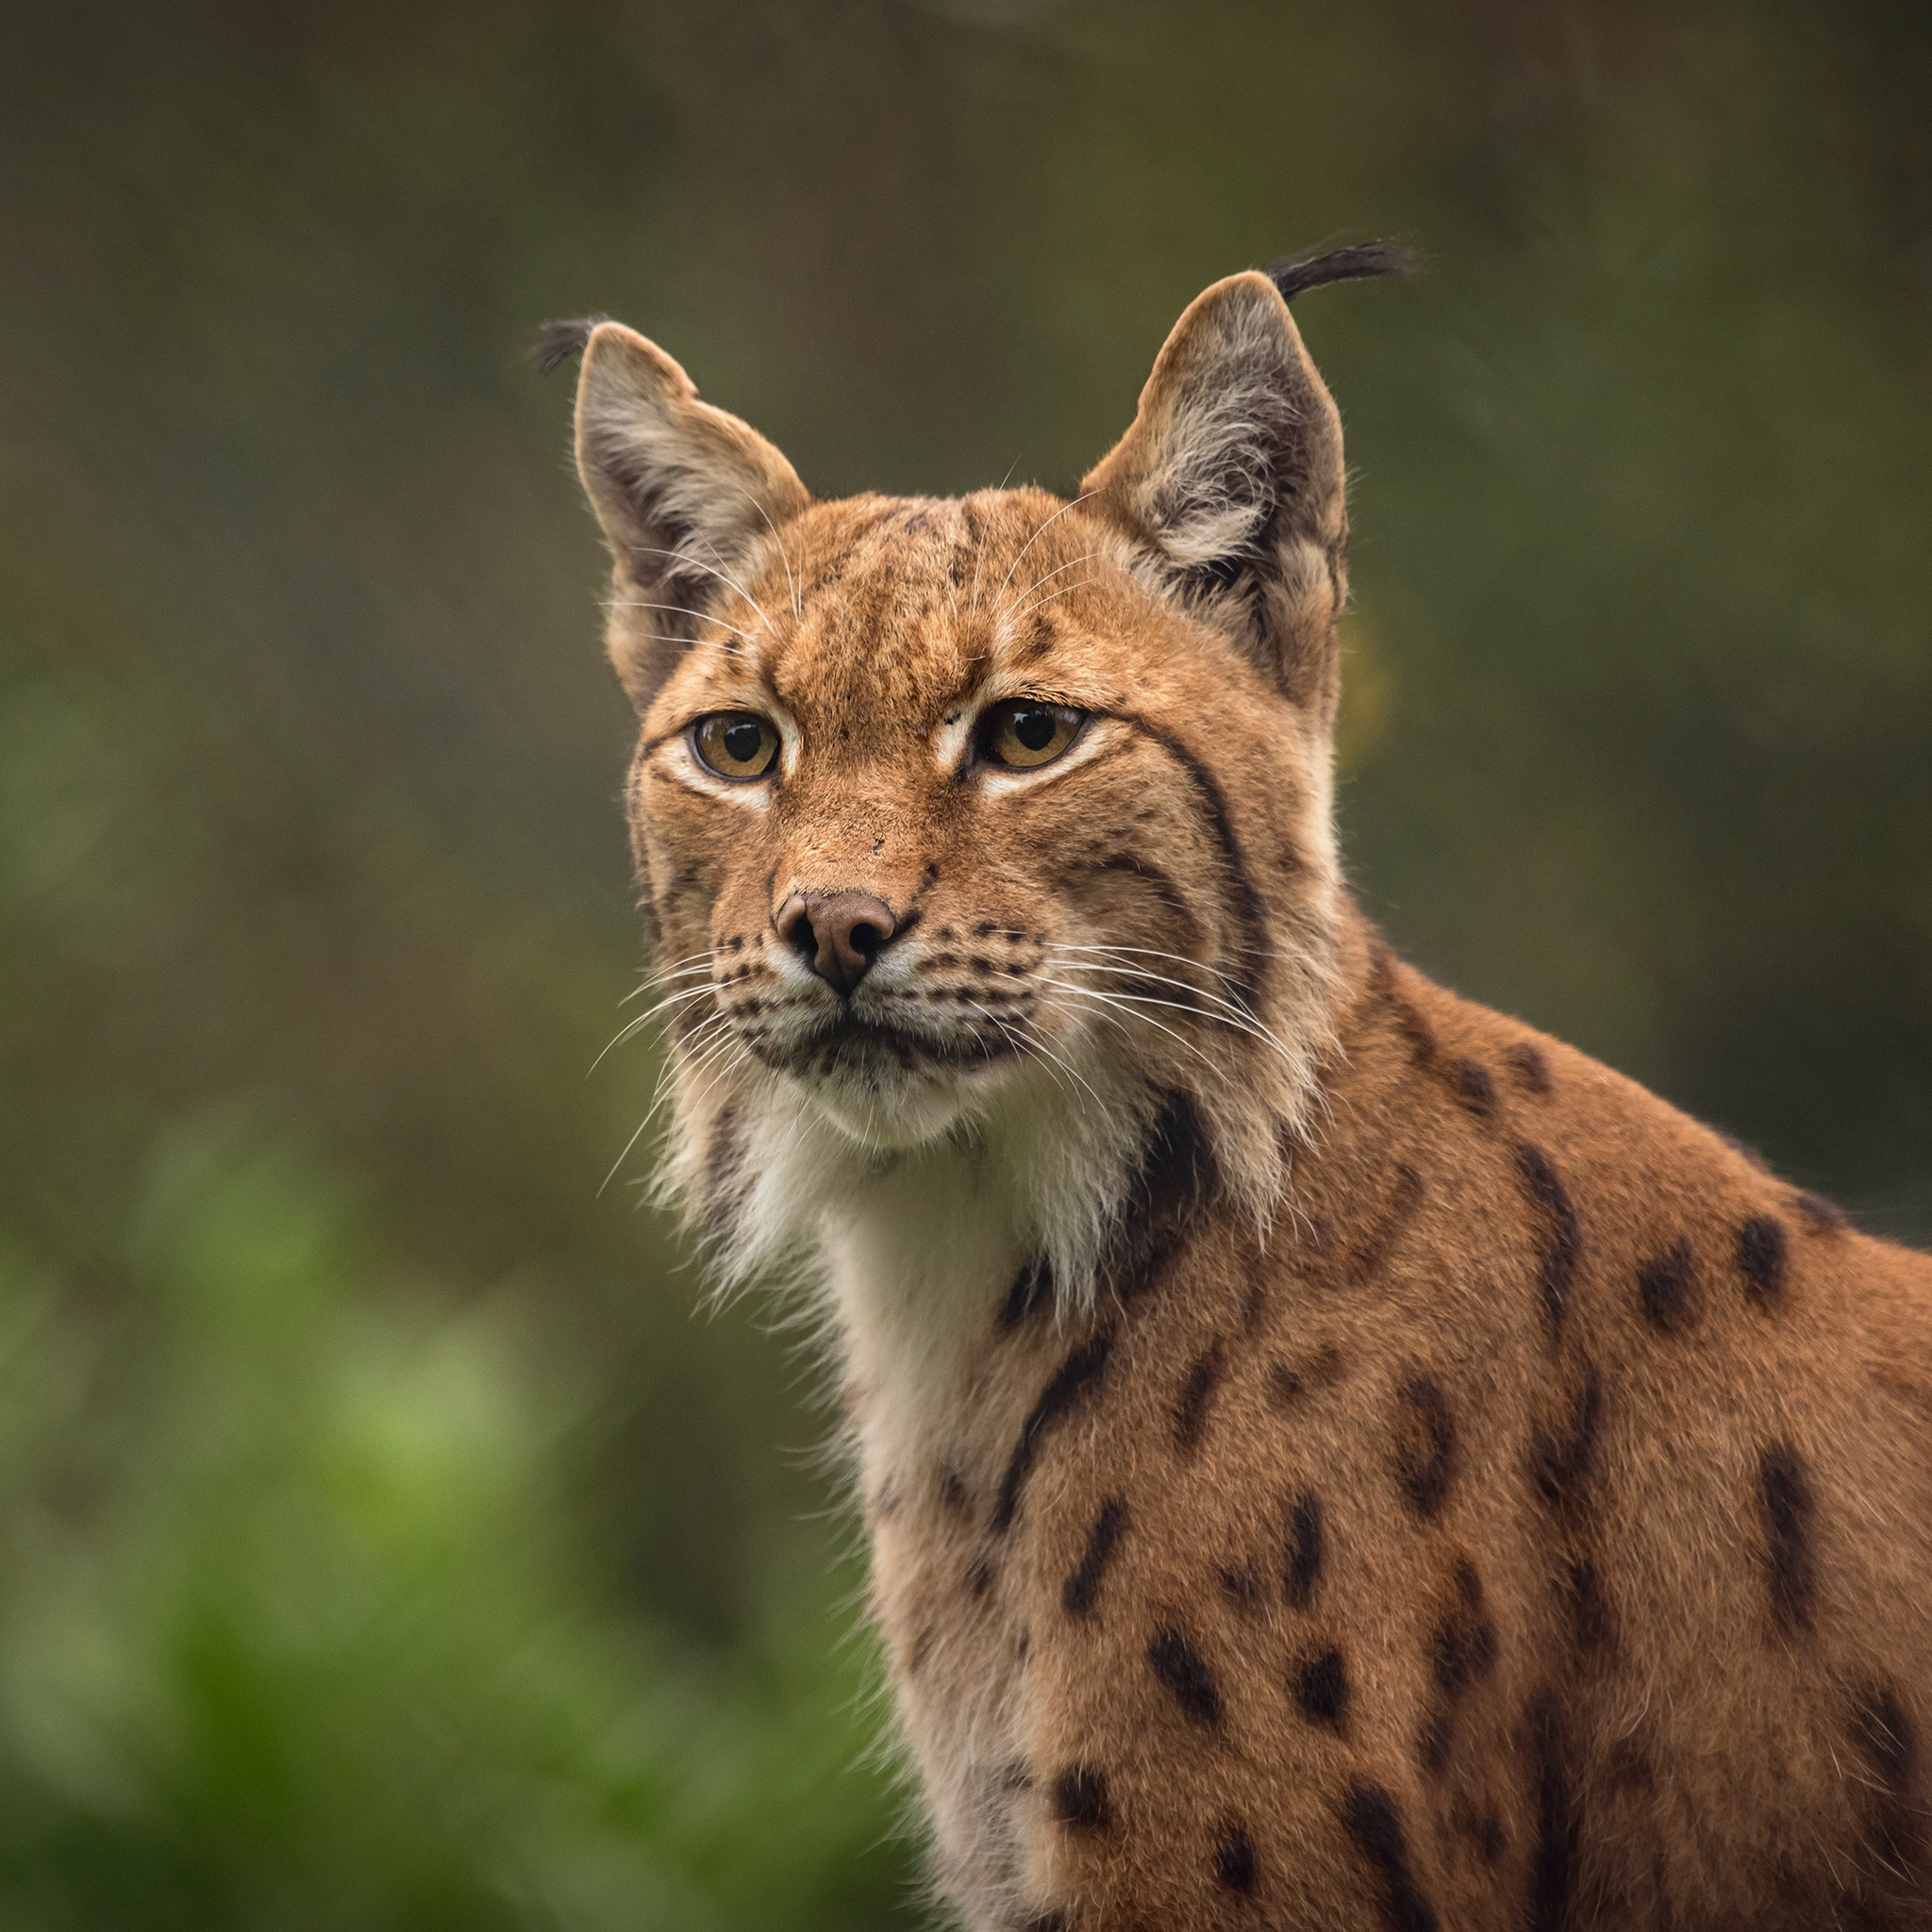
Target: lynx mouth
<point>851,1047</point>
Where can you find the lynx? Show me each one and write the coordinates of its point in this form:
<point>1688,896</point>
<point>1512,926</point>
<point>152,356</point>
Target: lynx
<point>1332,1456</point>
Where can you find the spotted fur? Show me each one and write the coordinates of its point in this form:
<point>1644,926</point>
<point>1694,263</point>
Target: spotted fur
<point>1333,1458</point>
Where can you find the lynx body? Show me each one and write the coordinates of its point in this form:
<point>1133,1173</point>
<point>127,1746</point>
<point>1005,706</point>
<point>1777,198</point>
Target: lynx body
<point>1333,1458</point>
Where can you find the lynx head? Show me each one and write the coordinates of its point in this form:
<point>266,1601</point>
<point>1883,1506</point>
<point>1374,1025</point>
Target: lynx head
<point>992,831</point>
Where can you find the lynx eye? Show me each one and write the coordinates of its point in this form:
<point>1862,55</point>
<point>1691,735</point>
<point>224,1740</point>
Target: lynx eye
<point>736,744</point>
<point>1023,734</point>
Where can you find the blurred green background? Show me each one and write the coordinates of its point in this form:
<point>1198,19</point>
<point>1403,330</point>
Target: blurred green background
<point>387,1542</point>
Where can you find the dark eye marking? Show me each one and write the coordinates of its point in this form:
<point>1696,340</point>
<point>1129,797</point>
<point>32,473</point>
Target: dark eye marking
<point>1258,950</point>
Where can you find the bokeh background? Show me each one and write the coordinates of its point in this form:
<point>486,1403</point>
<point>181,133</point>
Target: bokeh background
<point>385,1541</point>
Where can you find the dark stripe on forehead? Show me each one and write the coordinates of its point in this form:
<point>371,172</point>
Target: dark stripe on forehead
<point>1258,951</point>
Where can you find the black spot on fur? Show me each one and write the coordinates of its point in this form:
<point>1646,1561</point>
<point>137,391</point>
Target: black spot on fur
<point>1883,1732</point>
<point>1529,1068</point>
<point>1289,1382</point>
<point>1404,1197</point>
<point>1031,1291</point>
<point>1562,1237</point>
<point>1055,1921</point>
<point>1483,1829</point>
<point>1182,1669</point>
<point>1176,1175</point>
<point>1553,1866</point>
<point>1243,1586</point>
<point>1424,1444</point>
<point>1562,1464</point>
<point>1475,1088</point>
<point>1665,1284</point>
<point>978,1577</point>
<point>1761,1246</point>
<point>1191,1409</point>
<point>1081,1369</point>
<point>953,1497</point>
<point>723,1180</point>
<point>1894,1822</point>
<point>1821,1215</point>
<point>1321,1687</point>
<point>1083,1584</point>
<point>1234,1859</point>
<point>1372,1820</point>
<point>1628,1767</point>
<point>1785,1498</point>
<point>1079,1799</point>
<point>1286,1386</point>
<point>1306,1545</point>
<point>1414,1029</point>
<point>1462,1647</point>
<point>1589,1611</point>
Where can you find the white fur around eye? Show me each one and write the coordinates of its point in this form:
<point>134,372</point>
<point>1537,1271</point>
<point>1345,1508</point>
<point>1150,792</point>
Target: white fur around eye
<point>1097,735</point>
<point>954,742</point>
<point>685,765</point>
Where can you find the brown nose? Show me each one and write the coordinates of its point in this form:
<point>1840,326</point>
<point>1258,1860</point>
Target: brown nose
<point>837,934</point>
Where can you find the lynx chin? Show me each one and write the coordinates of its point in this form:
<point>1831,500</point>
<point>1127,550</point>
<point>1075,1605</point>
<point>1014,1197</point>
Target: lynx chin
<point>1333,1456</point>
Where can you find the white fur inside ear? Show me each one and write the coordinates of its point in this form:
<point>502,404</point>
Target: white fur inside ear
<point>681,490</point>
<point>1211,487</point>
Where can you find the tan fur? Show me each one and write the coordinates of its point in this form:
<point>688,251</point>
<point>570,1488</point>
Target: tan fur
<point>1333,1456</point>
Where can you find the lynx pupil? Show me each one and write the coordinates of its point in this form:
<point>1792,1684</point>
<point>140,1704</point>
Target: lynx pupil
<point>1035,728</point>
<point>743,739</point>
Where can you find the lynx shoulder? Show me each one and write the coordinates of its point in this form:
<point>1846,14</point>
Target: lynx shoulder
<point>1333,1456</point>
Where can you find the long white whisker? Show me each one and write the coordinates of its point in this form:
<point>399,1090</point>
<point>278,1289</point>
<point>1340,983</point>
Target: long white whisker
<point>713,1052</point>
<point>685,968</point>
<point>698,562</point>
<point>784,556</point>
<point>1141,999</point>
<point>685,610</point>
<point>1131,1007</point>
<point>1032,589</point>
<point>741,591</point>
<point>1040,603</point>
<point>643,1020</point>
<point>1037,535</point>
<point>723,645</point>
<point>1145,952</point>
<point>666,1086</point>
<point>1241,1014</point>
<point>1033,1038</point>
<point>666,978</point>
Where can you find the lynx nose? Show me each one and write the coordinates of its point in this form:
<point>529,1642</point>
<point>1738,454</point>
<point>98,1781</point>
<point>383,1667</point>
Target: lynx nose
<point>837,934</point>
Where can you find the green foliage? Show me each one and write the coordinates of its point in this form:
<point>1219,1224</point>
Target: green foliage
<point>309,1643</point>
<point>384,1543</point>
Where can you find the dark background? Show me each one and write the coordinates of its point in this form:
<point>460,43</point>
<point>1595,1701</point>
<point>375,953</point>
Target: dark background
<point>384,1541</point>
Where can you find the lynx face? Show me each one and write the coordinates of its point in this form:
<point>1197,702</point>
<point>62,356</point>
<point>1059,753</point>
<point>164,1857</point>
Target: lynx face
<point>970,830</point>
<point>994,824</point>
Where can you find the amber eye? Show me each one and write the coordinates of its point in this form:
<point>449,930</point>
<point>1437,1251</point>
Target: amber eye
<point>736,744</point>
<point>1023,734</point>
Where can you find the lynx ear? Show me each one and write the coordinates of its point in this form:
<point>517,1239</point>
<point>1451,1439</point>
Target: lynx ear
<point>1231,482</point>
<point>683,491</point>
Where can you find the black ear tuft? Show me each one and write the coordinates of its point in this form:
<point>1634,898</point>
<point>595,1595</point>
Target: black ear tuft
<point>1295,274</point>
<point>557,342</point>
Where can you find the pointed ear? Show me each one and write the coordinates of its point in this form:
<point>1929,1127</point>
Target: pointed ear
<point>1231,483</point>
<point>683,491</point>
